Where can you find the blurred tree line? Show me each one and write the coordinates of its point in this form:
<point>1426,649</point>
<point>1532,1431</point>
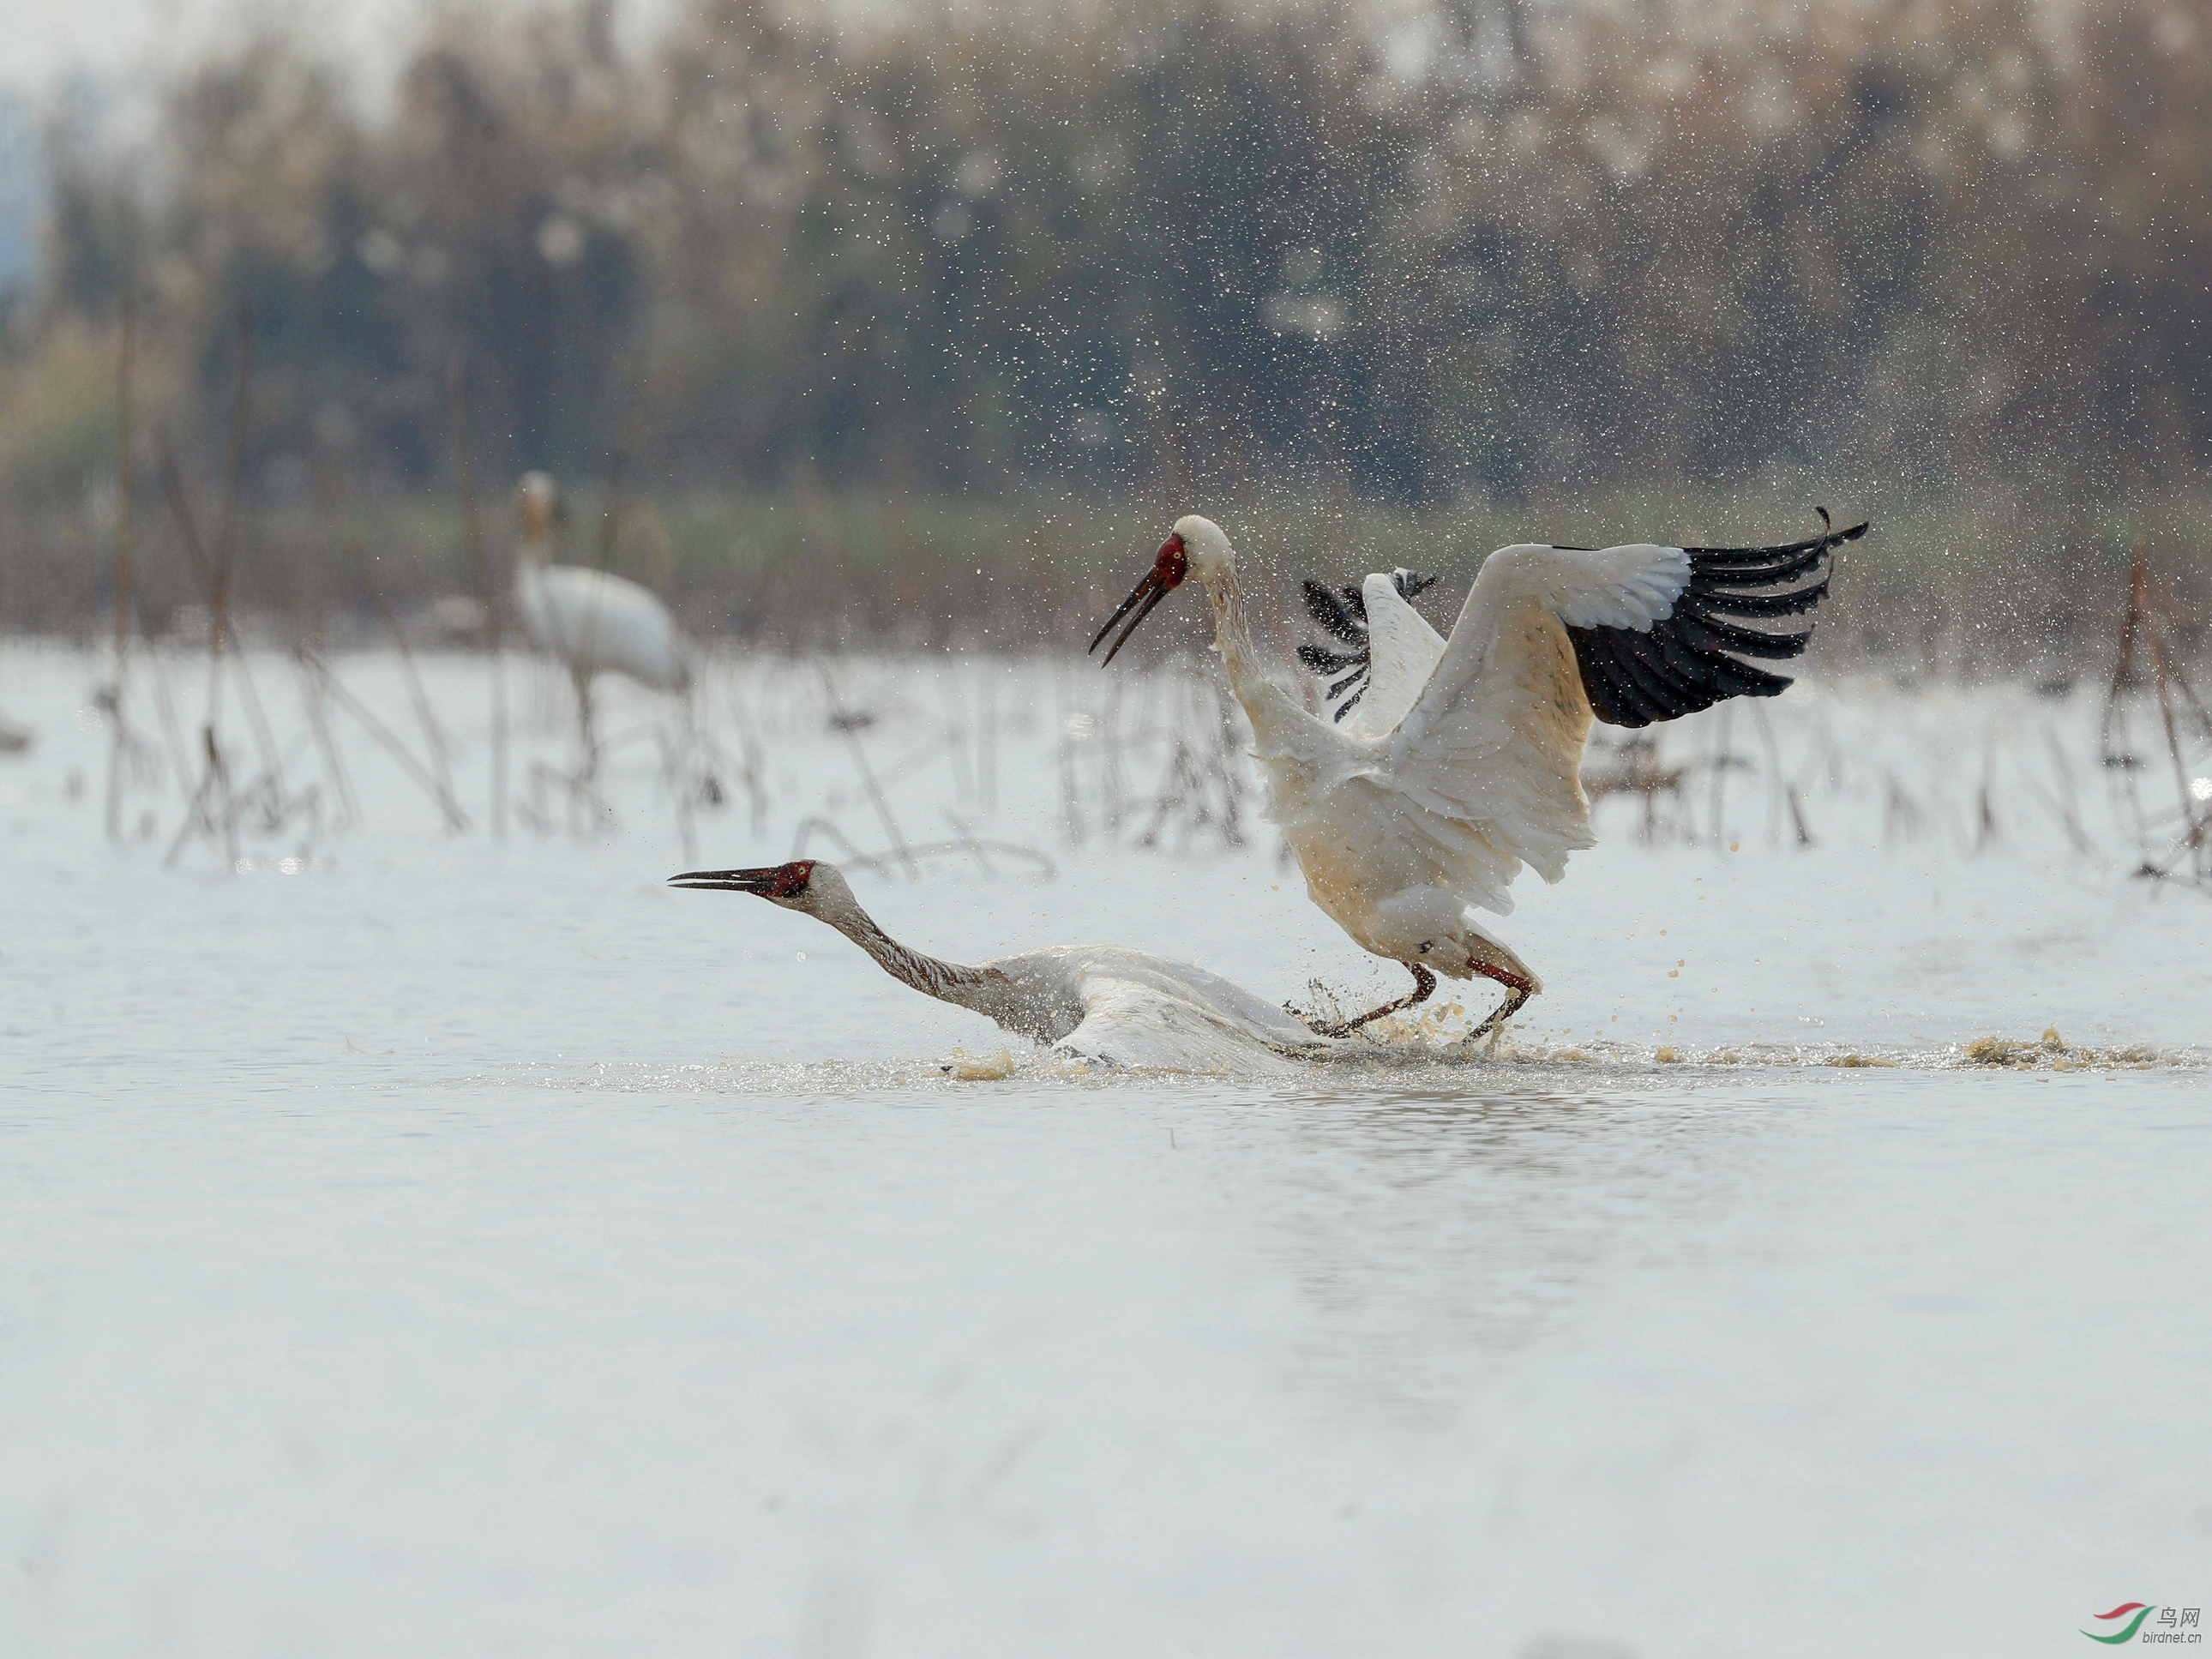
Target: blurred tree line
<point>1494,250</point>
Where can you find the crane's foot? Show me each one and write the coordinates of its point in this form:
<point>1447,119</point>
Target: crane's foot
<point>1424,982</point>
<point>1519,989</point>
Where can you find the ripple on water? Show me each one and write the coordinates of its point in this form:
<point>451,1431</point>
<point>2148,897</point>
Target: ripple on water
<point>1387,1059</point>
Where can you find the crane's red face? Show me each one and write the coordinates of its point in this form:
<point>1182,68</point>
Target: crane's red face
<point>1169,566</point>
<point>783,883</point>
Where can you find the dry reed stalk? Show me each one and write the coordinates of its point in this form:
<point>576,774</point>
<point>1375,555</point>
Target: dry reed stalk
<point>165,705</point>
<point>328,486</point>
<point>673,778</point>
<point>1635,770</point>
<point>960,827</point>
<point>576,793</point>
<point>1197,770</point>
<point>313,702</point>
<point>264,737</point>
<point>883,863</point>
<point>955,730</point>
<point>851,735</point>
<point>197,811</point>
<point>434,734</point>
<point>456,819</point>
<point>214,572</point>
<point>123,549</point>
<point>464,477</point>
<point>1720,761</point>
<point>2070,811</point>
<point>1901,814</point>
<point>201,812</point>
<point>2061,810</point>
<point>2144,633</point>
<point>234,462</point>
<point>1773,772</point>
<point>747,768</point>
<point>1784,783</point>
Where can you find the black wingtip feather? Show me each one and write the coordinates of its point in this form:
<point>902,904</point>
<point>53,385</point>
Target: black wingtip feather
<point>1411,584</point>
<point>1340,615</point>
<point>1692,659</point>
<point>1322,661</point>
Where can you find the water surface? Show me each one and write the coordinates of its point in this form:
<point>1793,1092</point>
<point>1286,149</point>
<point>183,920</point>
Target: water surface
<point>444,1247</point>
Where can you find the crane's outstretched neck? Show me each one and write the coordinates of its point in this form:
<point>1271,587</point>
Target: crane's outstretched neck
<point>948,982</point>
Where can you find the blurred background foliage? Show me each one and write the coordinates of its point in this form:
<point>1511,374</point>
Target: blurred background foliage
<point>873,306</point>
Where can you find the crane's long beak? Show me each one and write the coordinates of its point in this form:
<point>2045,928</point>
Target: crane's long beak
<point>1168,567</point>
<point>759,882</point>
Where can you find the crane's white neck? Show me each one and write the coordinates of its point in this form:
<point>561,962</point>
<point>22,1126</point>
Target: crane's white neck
<point>1233,636</point>
<point>1248,663</point>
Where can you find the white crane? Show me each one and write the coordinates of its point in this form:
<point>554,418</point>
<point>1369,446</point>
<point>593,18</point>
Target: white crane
<point>1097,1003</point>
<point>591,620</point>
<point>1454,762</point>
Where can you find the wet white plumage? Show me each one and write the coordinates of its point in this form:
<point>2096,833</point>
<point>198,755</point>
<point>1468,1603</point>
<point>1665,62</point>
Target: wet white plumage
<point>1101,1004</point>
<point>1463,761</point>
<point>1144,1012</point>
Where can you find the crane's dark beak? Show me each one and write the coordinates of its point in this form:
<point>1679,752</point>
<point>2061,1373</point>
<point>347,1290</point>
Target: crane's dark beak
<point>1169,566</point>
<point>759,882</point>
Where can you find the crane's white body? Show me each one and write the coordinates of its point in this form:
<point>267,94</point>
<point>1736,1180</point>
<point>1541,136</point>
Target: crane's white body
<point>1101,1004</point>
<point>1108,1005</point>
<point>1463,761</point>
<point>594,621</point>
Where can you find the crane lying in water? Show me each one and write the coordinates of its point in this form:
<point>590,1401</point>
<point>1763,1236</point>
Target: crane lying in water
<point>1100,1003</point>
<point>1455,761</point>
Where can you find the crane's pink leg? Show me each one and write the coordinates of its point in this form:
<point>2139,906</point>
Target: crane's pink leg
<point>1520,988</point>
<point>1424,982</point>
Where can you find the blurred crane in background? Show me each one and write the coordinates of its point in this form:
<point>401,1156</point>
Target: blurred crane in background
<point>591,620</point>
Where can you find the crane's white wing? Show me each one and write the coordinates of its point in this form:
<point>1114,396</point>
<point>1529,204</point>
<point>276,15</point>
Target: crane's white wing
<point>1402,650</point>
<point>595,620</point>
<point>1490,754</point>
<point>1488,759</point>
<point>1146,1012</point>
<point>1130,1025</point>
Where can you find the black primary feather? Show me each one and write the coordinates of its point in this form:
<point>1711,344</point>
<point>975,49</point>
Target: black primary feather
<point>1341,613</point>
<point>1409,583</point>
<point>1691,658</point>
<point>1327,662</point>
